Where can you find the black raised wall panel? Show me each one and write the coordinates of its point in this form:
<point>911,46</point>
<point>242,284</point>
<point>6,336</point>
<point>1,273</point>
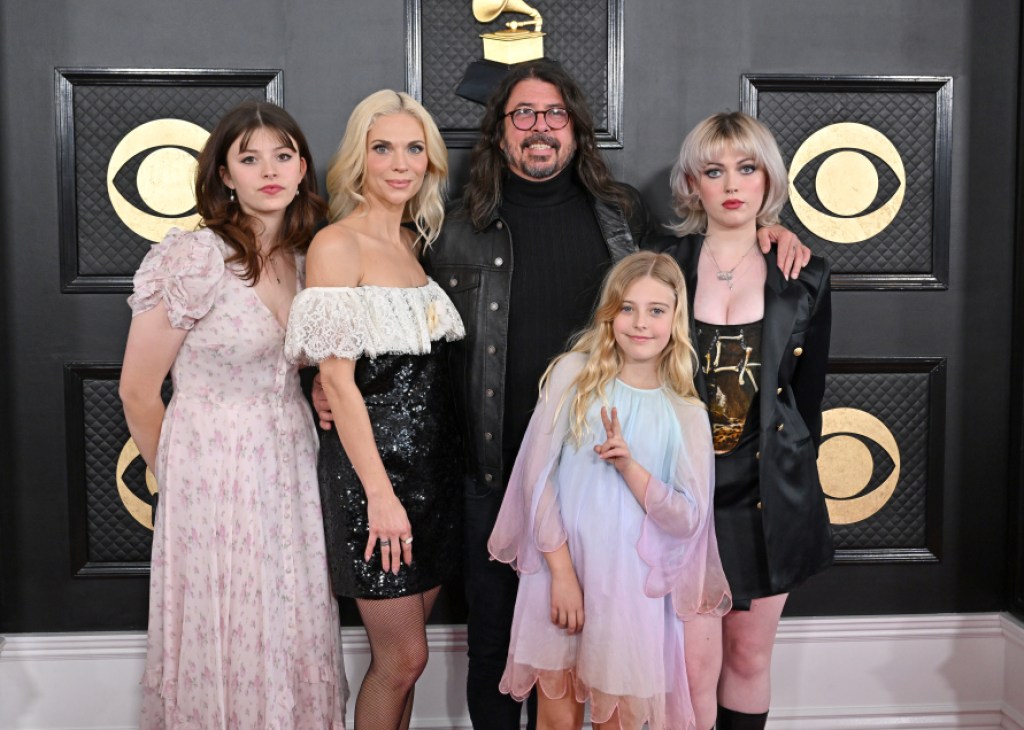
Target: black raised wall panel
<point>1015,513</point>
<point>652,69</point>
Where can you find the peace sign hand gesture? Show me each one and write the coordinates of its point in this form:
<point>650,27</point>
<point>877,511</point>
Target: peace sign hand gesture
<point>614,449</point>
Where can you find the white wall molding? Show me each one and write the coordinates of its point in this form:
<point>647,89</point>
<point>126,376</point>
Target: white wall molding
<point>857,673</point>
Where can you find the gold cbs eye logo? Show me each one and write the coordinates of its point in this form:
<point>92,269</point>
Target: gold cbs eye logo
<point>165,179</point>
<point>140,510</point>
<point>847,183</point>
<point>846,466</point>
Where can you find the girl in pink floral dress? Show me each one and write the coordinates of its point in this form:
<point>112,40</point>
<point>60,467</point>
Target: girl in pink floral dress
<point>243,629</point>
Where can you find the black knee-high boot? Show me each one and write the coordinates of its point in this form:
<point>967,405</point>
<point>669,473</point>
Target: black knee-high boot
<point>733,720</point>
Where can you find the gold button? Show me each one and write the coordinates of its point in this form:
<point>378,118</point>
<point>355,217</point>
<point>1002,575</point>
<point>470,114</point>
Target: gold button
<point>778,391</point>
<point>488,478</point>
<point>780,427</point>
<point>759,505</point>
<point>798,351</point>
<point>494,306</point>
<point>499,225</point>
<point>489,393</point>
<point>488,436</point>
<point>499,261</point>
<point>491,349</point>
<point>453,281</point>
<point>758,456</point>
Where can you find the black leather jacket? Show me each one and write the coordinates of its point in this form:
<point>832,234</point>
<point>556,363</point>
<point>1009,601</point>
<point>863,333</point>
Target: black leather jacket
<point>475,269</point>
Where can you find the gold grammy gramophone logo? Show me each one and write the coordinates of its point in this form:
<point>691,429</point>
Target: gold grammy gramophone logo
<point>165,178</point>
<point>512,45</point>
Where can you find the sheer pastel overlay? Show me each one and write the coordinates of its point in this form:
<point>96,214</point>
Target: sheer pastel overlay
<point>642,569</point>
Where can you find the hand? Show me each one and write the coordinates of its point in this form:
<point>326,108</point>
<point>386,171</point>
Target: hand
<point>567,601</point>
<point>614,449</point>
<point>321,404</point>
<point>390,526</point>
<point>792,254</point>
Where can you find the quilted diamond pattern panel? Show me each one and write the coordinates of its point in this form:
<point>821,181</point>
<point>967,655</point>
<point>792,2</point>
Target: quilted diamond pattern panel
<point>902,401</point>
<point>912,246</point>
<point>114,535</point>
<point>111,506</point>
<point>578,35</point>
<point>100,250</point>
<point>103,116</point>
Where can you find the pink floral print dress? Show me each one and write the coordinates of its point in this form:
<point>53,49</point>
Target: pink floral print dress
<point>243,629</point>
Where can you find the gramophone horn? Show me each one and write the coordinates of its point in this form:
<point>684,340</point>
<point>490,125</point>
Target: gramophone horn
<point>487,10</point>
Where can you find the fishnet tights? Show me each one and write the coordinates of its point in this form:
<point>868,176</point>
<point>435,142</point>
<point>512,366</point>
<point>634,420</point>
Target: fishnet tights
<point>396,628</point>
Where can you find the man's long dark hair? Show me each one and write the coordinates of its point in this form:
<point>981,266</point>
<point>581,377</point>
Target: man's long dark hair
<point>482,195</point>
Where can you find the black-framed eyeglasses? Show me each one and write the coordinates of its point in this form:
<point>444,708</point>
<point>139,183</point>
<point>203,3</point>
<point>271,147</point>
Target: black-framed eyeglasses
<point>524,118</point>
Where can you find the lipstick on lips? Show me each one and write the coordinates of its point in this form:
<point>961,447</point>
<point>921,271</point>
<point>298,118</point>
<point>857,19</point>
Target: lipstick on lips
<point>271,189</point>
<point>732,204</point>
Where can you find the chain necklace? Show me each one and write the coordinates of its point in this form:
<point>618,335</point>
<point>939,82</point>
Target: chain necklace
<point>269,264</point>
<point>726,276</point>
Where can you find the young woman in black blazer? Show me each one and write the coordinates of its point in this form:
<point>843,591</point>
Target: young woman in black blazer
<point>762,341</point>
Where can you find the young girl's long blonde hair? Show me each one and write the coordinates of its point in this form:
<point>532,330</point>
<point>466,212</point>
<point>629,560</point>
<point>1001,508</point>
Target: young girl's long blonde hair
<point>604,360</point>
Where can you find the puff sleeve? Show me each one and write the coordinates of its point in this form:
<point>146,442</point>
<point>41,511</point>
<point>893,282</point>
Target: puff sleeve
<point>182,271</point>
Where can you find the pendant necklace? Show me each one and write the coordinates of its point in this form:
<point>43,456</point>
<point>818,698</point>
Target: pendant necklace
<point>727,276</point>
<point>273,269</point>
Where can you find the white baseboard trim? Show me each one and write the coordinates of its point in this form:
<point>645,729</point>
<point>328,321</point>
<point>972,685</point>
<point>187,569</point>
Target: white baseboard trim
<point>858,673</point>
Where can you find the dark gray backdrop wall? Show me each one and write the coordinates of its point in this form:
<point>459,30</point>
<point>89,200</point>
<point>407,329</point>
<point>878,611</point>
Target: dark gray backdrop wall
<point>682,61</point>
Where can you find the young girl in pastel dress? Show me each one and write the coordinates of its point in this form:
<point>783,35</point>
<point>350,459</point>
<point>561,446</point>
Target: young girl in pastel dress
<point>243,629</point>
<point>608,516</point>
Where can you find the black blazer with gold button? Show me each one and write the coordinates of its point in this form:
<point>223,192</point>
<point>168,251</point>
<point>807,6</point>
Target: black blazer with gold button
<point>794,355</point>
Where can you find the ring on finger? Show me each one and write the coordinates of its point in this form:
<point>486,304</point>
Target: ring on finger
<point>407,541</point>
<point>385,542</point>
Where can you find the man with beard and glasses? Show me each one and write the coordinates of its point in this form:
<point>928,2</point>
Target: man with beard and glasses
<point>522,255</point>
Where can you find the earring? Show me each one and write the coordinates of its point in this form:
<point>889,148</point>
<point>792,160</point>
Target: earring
<point>231,194</point>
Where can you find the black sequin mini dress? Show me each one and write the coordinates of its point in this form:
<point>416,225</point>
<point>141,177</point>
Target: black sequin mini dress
<point>398,338</point>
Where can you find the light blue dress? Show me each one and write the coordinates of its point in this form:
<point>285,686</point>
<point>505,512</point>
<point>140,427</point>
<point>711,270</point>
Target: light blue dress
<point>641,567</point>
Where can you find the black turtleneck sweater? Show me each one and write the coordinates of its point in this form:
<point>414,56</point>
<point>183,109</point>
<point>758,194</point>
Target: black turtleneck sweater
<point>559,259</point>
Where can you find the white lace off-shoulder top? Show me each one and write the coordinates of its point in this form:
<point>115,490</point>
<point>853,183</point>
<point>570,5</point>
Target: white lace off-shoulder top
<point>367,321</point>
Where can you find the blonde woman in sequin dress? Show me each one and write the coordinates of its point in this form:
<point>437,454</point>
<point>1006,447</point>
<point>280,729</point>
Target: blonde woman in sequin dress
<point>390,470</point>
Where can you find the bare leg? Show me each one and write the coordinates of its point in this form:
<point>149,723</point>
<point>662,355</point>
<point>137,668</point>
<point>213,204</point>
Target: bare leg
<point>396,628</point>
<point>564,713</point>
<point>612,723</point>
<point>748,638</point>
<point>703,644</point>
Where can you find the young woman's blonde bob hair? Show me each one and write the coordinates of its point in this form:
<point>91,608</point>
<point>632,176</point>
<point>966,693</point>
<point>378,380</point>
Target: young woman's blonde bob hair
<point>705,143</point>
<point>604,360</point>
<point>347,173</point>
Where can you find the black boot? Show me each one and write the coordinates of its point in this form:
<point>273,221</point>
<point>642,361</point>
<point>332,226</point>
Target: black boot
<point>732,720</point>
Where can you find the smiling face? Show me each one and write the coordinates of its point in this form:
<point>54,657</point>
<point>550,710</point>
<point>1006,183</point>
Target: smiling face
<point>539,153</point>
<point>643,325</point>
<point>265,174</point>
<point>396,159</point>
<point>731,189</point>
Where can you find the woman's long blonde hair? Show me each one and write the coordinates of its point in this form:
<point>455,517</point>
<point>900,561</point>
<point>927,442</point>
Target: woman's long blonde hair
<point>604,360</point>
<point>347,173</point>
